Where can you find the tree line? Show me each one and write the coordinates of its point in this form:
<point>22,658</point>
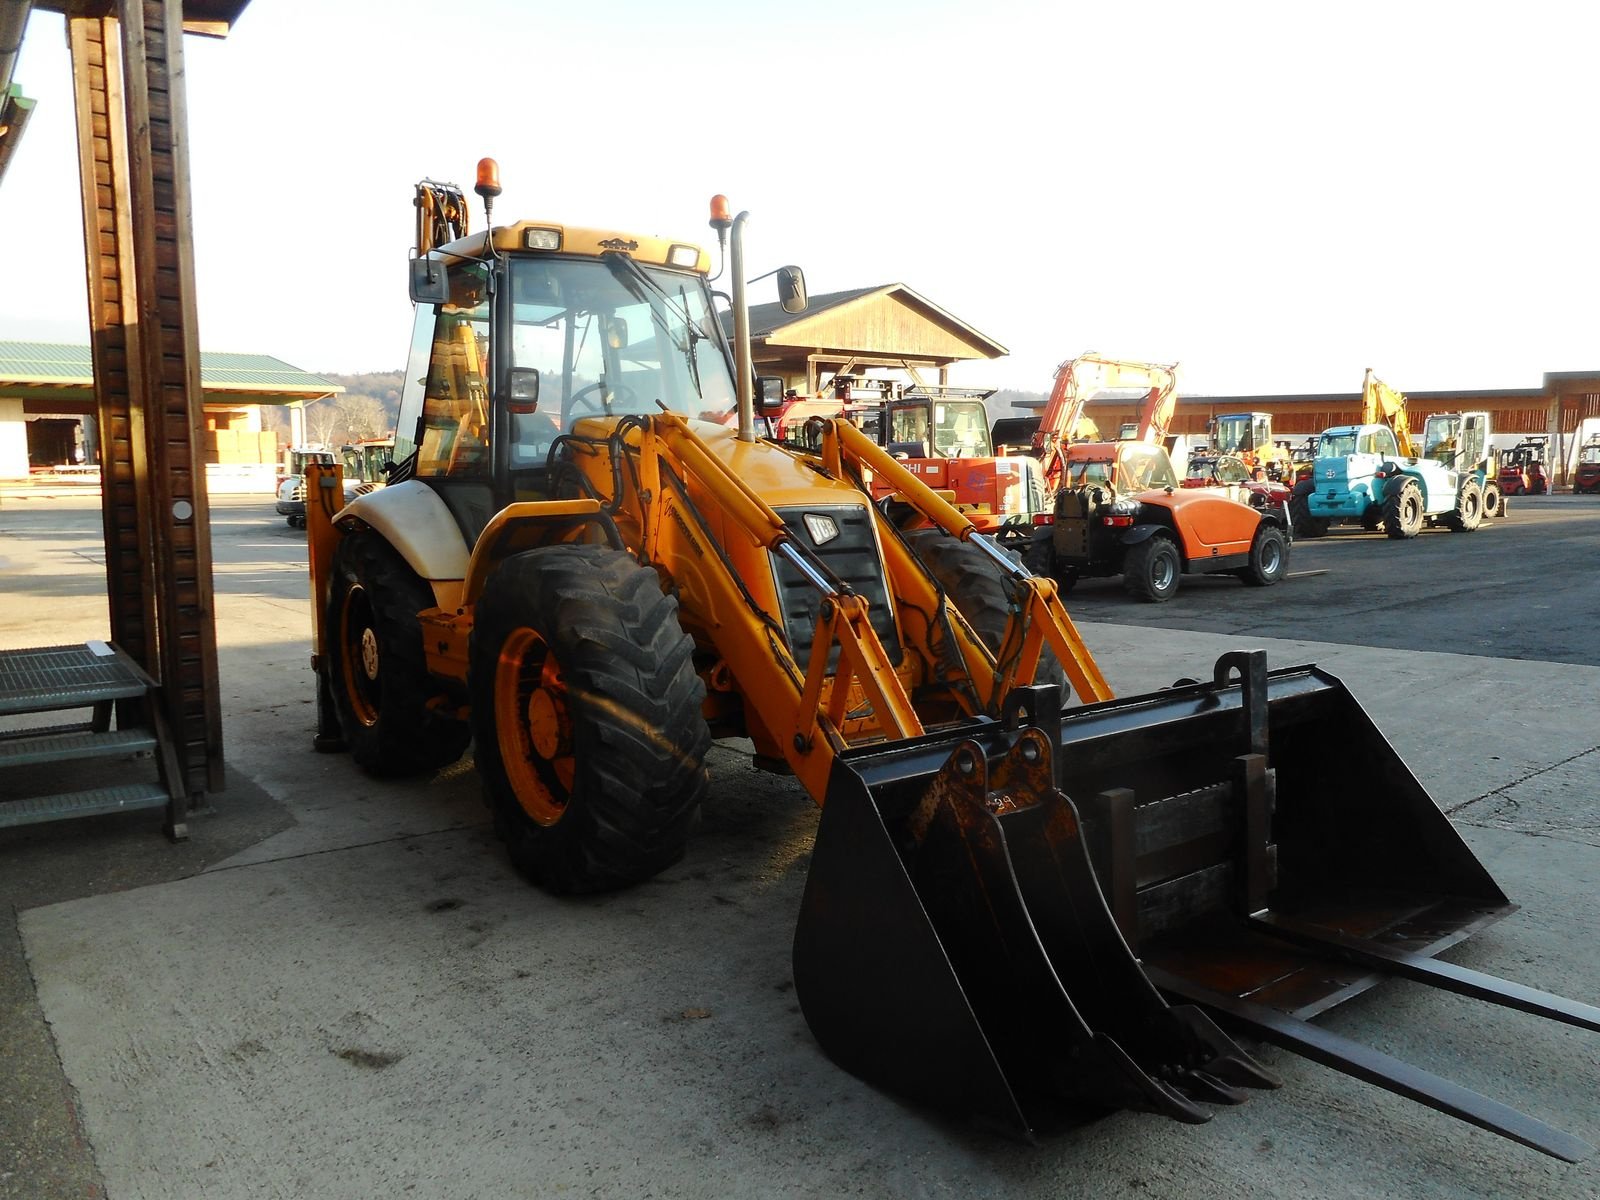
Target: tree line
<point>366,409</point>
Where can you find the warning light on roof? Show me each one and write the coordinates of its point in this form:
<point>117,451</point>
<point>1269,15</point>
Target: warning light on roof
<point>488,185</point>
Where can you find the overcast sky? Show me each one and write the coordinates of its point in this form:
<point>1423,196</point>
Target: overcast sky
<point>1275,195</point>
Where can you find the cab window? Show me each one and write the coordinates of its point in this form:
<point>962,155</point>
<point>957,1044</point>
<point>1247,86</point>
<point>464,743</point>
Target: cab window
<point>444,407</point>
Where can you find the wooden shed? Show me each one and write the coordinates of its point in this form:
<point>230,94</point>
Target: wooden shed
<point>886,327</point>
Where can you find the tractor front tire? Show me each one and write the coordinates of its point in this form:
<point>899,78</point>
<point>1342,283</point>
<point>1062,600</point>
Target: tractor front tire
<point>586,707</point>
<point>1269,557</point>
<point>1151,569</point>
<point>979,590</point>
<point>1468,512</point>
<point>376,667</point>
<point>1403,510</point>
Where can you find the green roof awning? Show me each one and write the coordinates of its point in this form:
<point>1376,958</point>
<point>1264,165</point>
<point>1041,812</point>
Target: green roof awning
<point>28,369</point>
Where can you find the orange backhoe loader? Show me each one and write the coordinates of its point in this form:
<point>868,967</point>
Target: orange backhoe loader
<point>1014,909</point>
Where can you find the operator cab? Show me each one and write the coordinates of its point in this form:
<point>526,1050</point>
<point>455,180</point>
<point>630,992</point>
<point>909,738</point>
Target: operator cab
<point>524,345</point>
<point>1347,440</point>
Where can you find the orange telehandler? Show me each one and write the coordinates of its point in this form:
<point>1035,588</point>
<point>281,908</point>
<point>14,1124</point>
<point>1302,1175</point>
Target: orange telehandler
<point>1117,508</point>
<point>580,567</point>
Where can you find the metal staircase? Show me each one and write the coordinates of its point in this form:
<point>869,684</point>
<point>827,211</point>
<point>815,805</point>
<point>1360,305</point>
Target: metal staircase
<point>124,725</point>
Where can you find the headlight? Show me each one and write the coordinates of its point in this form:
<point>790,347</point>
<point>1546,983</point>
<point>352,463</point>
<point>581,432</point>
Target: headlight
<point>542,239</point>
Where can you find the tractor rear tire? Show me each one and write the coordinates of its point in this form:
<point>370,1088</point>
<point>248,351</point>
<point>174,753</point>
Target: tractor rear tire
<point>377,670</point>
<point>1403,510</point>
<point>979,590</point>
<point>1269,557</point>
<point>591,741</point>
<point>1151,569</point>
<point>1468,512</point>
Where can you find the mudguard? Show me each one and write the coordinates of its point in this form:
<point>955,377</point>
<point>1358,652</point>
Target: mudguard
<point>414,520</point>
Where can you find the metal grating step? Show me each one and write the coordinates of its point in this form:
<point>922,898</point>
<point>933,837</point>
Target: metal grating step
<point>33,731</point>
<point>68,744</point>
<point>94,802</point>
<point>52,677</point>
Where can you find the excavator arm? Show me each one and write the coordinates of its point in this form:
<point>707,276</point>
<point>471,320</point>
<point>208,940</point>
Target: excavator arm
<point>1381,403</point>
<point>1077,382</point>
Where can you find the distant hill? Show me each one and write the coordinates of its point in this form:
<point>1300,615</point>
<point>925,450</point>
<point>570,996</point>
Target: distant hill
<point>366,409</point>
<point>1010,399</point>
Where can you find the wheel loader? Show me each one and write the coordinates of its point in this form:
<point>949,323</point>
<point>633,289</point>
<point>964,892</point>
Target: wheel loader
<point>1028,900</point>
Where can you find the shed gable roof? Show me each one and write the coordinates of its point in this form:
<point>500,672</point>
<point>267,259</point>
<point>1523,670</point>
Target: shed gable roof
<point>890,319</point>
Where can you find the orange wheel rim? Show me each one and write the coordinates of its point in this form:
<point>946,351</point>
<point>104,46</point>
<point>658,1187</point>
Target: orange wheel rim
<point>359,660</point>
<point>533,726</point>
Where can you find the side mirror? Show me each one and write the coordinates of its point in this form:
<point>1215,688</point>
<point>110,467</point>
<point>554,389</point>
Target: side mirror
<point>792,289</point>
<point>523,390</point>
<point>430,281</point>
<point>769,391</point>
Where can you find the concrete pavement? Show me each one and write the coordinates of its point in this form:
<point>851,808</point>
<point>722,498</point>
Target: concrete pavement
<point>340,989</point>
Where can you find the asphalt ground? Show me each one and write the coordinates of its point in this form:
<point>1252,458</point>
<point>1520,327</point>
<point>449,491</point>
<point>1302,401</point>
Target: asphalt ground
<point>338,988</point>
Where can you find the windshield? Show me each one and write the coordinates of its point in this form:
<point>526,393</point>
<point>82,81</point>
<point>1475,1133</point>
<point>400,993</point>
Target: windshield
<point>1141,467</point>
<point>299,458</point>
<point>1439,439</point>
<point>606,342</point>
<point>366,463</point>
<point>1337,445</point>
<point>1233,434</point>
<point>960,429</point>
<point>1223,470</point>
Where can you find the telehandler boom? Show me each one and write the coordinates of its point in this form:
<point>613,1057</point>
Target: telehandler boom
<point>580,566</point>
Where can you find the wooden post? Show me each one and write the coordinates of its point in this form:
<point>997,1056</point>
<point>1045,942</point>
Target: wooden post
<point>114,335</point>
<point>133,154</point>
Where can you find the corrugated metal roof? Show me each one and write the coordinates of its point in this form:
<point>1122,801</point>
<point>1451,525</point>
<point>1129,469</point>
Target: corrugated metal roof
<point>57,365</point>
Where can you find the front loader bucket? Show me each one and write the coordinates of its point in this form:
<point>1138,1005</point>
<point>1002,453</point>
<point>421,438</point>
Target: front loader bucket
<point>1252,846</point>
<point>957,950</point>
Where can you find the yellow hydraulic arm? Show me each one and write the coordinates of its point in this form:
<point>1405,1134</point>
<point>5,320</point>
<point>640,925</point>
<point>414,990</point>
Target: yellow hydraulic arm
<point>1380,402</point>
<point>801,700</point>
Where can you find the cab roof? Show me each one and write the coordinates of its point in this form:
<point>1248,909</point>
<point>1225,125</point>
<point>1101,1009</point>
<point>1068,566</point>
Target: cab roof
<point>579,240</point>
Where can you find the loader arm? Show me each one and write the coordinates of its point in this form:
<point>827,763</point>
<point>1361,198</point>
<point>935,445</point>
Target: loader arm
<point>817,706</point>
<point>1037,618</point>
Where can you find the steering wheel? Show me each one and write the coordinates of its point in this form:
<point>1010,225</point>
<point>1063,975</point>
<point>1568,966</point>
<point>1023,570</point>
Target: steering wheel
<point>594,397</point>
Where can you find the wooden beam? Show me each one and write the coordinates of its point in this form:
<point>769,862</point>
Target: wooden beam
<point>169,357</point>
<point>114,336</point>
